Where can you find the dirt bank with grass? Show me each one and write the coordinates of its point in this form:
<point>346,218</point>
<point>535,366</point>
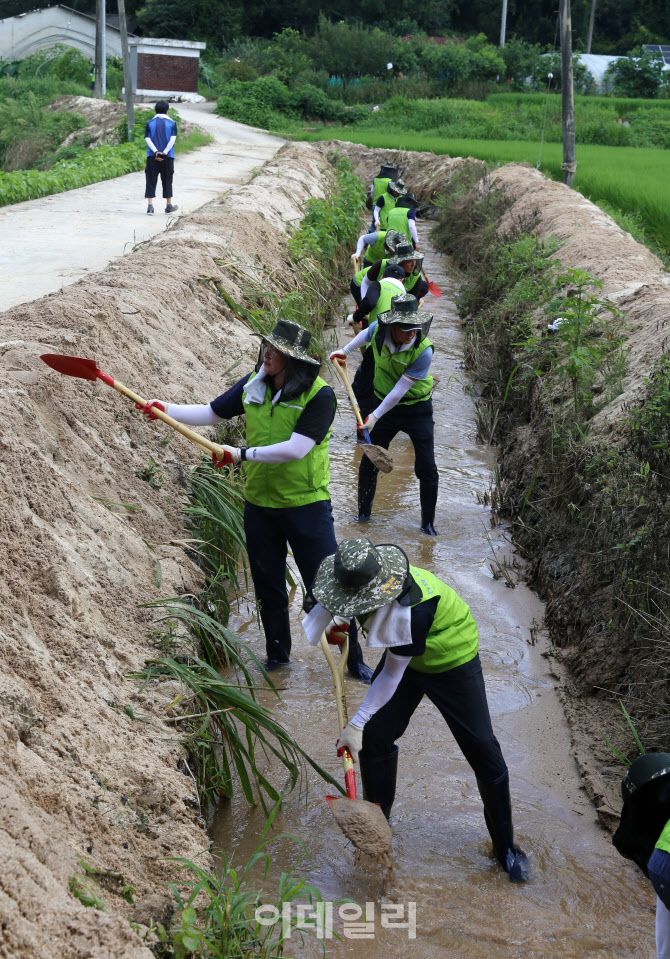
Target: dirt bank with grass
<point>91,527</point>
<point>595,551</point>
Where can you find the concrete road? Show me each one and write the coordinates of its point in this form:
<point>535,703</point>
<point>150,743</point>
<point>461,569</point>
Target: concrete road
<point>52,242</point>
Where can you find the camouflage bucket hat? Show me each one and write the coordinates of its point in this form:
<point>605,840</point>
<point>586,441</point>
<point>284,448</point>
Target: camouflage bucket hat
<point>407,200</point>
<point>292,339</point>
<point>405,311</point>
<point>360,577</point>
<point>405,251</point>
<point>398,186</point>
<point>393,238</point>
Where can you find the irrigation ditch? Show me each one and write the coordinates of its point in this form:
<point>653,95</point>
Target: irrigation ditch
<point>98,789</point>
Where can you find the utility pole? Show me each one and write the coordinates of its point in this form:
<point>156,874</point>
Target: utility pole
<point>103,52</point>
<point>592,18</point>
<point>569,164</point>
<point>103,64</point>
<point>503,23</point>
<point>97,87</point>
<point>127,80</point>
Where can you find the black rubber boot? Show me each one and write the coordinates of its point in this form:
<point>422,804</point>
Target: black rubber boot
<point>367,487</point>
<point>355,665</point>
<point>498,815</point>
<point>378,775</point>
<point>277,627</point>
<point>428,498</point>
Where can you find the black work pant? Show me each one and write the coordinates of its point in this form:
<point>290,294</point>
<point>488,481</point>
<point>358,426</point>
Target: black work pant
<point>355,290</point>
<point>460,696</point>
<point>416,420</point>
<point>363,383</point>
<point>163,169</point>
<point>308,530</point>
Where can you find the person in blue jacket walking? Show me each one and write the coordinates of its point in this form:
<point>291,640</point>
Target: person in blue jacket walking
<point>160,134</point>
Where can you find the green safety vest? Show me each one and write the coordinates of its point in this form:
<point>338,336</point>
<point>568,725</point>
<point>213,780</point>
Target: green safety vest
<point>397,220</point>
<point>452,639</point>
<point>282,485</point>
<point>408,282</point>
<point>386,210</point>
<point>358,278</point>
<point>389,367</point>
<point>383,304</point>
<point>377,250</point>
<point>379,188</point>
<point>664,839</point>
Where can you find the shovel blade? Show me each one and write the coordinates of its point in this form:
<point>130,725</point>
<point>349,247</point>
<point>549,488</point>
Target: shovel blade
<point>434,289</point>
<point>72,365</point>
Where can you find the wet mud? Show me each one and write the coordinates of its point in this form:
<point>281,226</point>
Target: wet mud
<point>582,898</point>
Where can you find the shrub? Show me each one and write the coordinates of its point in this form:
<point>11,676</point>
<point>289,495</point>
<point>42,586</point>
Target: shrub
<point>29,133</point>
<point>638,75</point>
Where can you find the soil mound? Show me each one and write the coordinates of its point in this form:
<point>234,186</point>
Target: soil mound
<point>102,119</point>
<point>91,769</point>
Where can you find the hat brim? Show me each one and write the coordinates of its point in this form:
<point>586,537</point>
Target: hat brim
<point>413,321</point>
<point>289,349</point>
<point>351,601</point>
<point>397,260</point>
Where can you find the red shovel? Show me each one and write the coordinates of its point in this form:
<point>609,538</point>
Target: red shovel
<point>89,370</point>
<point>432,287</point>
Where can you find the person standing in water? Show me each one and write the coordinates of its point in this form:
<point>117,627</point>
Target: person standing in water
<point>431,648</point>
<point>289,411</point>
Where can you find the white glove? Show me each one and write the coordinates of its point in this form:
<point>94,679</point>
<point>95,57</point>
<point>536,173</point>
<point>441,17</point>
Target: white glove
<point>354,260</point>
<point>231,454</point>
<point>350,319</point>
<point>368,423</point>
<point>338,356</point>
<point>378,226</point>
<point>351,739</point>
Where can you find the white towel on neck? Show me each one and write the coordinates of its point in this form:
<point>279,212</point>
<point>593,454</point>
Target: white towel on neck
<point>254,390</point>
<point>389,626</point>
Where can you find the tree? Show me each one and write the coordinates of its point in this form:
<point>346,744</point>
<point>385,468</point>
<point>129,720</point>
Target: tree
<point>216,21</point>
<point>639,75</point>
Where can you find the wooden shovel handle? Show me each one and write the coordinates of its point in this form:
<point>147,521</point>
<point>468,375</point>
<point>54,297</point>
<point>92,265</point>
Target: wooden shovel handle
<point>338,680</point>
<point>344,376</point>
<point>204,444</point>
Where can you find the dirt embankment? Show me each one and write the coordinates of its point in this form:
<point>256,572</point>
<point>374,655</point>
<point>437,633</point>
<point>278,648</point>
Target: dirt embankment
<point>103,118</point>
<point>579,594</point>
<point>80,777</point>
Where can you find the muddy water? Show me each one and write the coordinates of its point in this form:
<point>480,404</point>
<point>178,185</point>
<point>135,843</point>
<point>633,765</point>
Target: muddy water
<point>582,900</point>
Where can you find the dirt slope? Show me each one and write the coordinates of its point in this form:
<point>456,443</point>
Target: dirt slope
<point>80,777</point>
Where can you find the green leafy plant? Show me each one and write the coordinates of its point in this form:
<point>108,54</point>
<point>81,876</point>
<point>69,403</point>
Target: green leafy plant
<point>85,888</point>
<point>151,474</point>
<point>218,916</point>
<point>226,728</point>
<point>583,337</point>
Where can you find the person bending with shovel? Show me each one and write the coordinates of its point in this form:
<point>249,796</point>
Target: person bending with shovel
<point>403,256</point>
<point>431,649</point>
<point>289,411</point>
<point>402,387</point>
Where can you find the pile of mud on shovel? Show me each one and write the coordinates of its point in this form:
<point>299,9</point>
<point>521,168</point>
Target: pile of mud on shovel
<point>362,822</point>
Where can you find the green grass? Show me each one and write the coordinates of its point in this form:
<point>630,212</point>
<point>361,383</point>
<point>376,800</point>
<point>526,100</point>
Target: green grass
<point>632,180</point>
<point>88,166</point>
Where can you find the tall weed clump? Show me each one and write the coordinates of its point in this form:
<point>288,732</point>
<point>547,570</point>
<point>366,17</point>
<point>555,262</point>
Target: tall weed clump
<point>592,516</point>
